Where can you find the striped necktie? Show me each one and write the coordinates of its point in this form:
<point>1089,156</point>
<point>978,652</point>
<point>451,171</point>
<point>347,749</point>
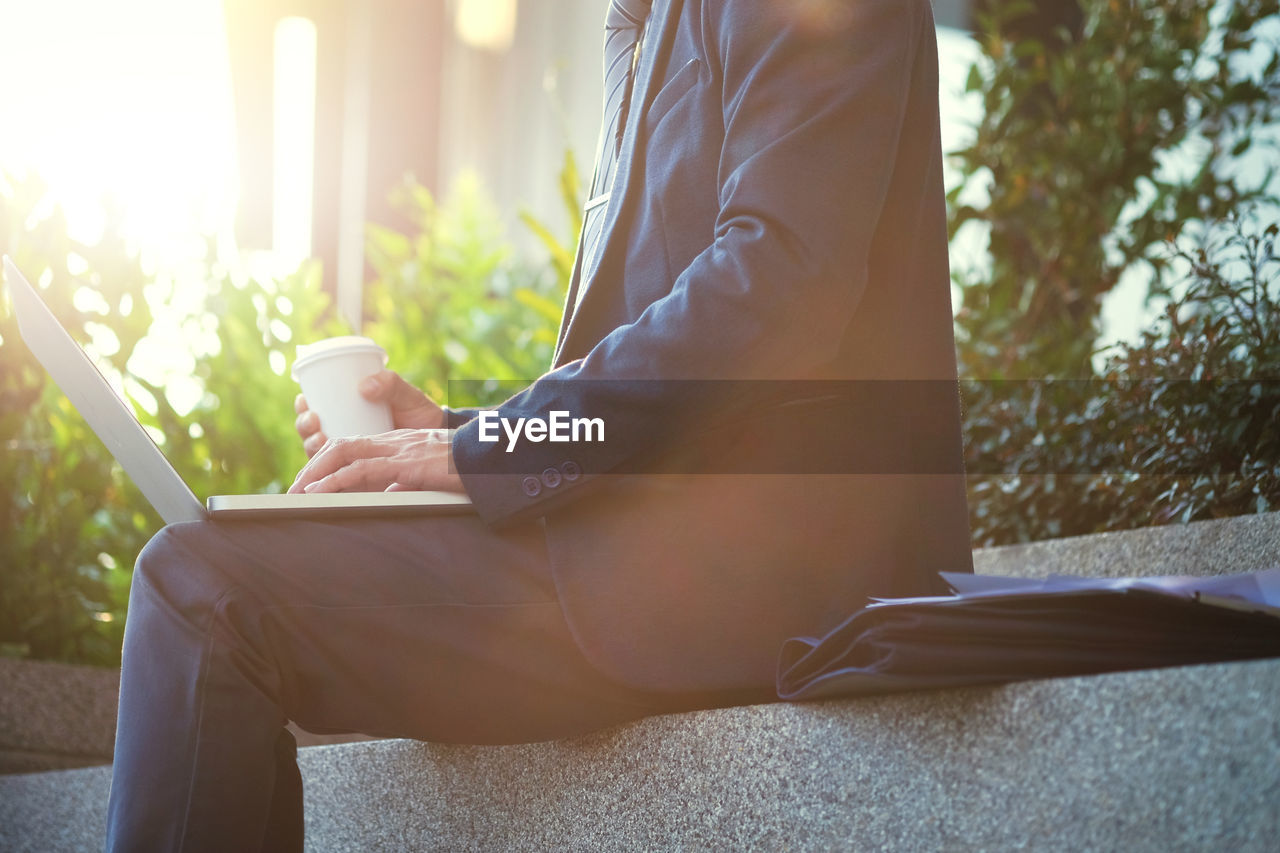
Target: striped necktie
<point>622,28</point>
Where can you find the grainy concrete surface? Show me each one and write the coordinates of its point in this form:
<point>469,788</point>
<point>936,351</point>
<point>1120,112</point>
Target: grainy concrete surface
<point>55,715</point>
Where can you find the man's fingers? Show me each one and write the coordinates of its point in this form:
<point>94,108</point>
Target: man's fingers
<point>313,442</point>
<point>306,423</point>
<point>337,454</point>
<point>403,395</point>
<point>300,404</point>
<point>387,385</point>
<point>361,475</point>
<point>331,456</point>
<point>393,461</point>
<point>376,388</point>
<point>411,408</point>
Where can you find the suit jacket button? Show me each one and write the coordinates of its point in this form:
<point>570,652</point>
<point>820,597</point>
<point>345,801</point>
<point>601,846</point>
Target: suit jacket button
<point>571,471</point>
<point>550,478</point>
<point>531,486</point>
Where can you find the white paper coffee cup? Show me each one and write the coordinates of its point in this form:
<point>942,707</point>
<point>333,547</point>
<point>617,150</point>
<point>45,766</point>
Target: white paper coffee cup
<point>329,372</point>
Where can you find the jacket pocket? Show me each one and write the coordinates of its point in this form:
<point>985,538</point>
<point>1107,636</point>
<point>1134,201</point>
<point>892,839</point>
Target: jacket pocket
<point>675,89</point>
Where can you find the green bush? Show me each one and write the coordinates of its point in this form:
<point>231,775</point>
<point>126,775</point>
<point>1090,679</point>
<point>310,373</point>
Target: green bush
<point>457,317</point>
<point>76,521</point>
<point>68,512</point>
<point>1091,152</point>
<point>1180,426</point>
<point>1096,149</point>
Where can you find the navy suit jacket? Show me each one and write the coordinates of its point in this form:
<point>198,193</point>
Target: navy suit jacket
<point>778,221</point>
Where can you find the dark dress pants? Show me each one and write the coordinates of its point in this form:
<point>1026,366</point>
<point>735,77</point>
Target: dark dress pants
<point>437,629</point>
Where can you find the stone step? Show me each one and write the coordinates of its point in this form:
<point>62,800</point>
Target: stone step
<point>1185,758</point>
<point>56,716</point>
<point>1177,759</point>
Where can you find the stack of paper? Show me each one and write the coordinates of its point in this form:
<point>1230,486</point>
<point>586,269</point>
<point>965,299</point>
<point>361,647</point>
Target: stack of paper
<point>996,629</point>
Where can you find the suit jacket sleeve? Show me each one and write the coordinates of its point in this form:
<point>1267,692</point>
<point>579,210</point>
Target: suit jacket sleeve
<point>455,418</point>
<point>811,111</point>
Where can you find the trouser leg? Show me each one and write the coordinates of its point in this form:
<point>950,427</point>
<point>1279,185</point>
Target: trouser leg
<point>284,817</point>
<point>437,629</point>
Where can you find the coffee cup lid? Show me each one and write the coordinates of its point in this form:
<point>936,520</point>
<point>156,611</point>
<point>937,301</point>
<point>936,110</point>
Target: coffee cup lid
<point>330,347</point>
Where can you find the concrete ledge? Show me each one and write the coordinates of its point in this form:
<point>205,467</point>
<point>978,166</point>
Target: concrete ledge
<point>1181,759</point>
<point>1246,543</point>
<point>1166,760</point>
<point>55,715</point>
<point>1177,759</point>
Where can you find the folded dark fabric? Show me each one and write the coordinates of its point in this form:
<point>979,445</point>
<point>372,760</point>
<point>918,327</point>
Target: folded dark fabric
<point>991,638</point>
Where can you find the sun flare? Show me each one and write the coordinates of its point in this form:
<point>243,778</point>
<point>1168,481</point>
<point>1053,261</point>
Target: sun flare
<point>126,102</point>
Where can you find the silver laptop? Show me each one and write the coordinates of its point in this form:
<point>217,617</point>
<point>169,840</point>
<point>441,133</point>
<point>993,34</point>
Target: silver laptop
<point>115,423</point>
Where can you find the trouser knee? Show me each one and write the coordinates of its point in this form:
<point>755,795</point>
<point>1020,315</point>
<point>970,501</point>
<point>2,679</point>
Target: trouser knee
<point>185,592</point>
<point>180,569</point>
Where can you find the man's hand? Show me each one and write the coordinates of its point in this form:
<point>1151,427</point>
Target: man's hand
<point>410,408</point>
<point>404,459</point>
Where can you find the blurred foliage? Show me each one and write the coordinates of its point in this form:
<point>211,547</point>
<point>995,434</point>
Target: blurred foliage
<point>75,521</point>
<point>1101,144</point>
<point>1094,148</point>
<point>68,513</point>
<point>448,301</point>
<point>1182,425</point>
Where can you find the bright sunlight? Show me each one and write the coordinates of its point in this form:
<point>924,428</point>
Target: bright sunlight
<point>126,102</point>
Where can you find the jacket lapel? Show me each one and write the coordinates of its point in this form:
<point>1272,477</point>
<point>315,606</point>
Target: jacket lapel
<point>658,37</point>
